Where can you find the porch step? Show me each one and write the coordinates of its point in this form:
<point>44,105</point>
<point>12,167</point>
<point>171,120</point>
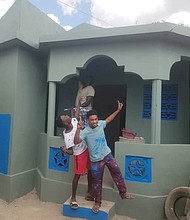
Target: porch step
<point>106,212</point>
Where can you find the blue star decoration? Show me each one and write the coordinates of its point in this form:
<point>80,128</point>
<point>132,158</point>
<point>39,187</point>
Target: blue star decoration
<point>138,169</point>
<point>58,160</point>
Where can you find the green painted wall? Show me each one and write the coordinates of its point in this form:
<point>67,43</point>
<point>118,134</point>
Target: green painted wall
<point>8,66</point>
<point>169,170</point>
<point>30,105</point>
<point>52,185</point>
<point>7,91</point>
<point>178,131</point>
<point>23,93</point>
<point>17,23</point>
<point>149,59</point>
<point>172,132</point>
<point>5,187</point>
<point>134,109</point>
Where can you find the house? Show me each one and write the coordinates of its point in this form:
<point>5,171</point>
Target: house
<point>145,66</point>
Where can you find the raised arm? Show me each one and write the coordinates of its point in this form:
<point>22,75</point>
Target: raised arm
<point>77,111</point>
<point>77,139</point>
<point>113,115</point>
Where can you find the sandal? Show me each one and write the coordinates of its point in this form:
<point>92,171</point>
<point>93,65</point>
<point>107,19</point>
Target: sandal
<point>74,205</point>
<point>89,197</point>
<point>128,196</point>
<point>96,208</point>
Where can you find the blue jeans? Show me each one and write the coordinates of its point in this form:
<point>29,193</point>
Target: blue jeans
<point>97,169</point>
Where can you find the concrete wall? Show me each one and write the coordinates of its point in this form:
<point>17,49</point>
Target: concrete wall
<point>7,91</point>
<point>23,92</point>
<point>169,170</point>
<point>8,69</point>
<point>134,109</point>
<point>177,131</point>
<point>52,185</point>
<point>172,131</point>
<point>149,59</point>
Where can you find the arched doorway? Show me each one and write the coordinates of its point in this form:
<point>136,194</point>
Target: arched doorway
<point>109,86</point>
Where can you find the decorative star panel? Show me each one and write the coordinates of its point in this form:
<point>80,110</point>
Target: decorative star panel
<point>58,160</point>
<point>138,169</point>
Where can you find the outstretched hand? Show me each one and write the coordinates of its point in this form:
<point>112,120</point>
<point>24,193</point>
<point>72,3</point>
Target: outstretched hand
<point>63,149</point>
<point>113,115</point>
<point>119,105</point>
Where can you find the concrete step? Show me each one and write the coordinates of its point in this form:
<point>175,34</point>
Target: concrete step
<point>106,212</point>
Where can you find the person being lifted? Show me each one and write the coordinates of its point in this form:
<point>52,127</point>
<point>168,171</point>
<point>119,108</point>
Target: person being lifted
<point>86,94</point>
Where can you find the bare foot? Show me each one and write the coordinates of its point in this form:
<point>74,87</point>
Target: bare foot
<point>128,196</point>
<point>89,197</point>
<point>96,208</point>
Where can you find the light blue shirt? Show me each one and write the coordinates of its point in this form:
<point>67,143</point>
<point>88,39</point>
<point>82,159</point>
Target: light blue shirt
<point>96,141</point>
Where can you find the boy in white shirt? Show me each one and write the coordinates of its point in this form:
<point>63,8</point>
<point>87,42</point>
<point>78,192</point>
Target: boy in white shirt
<point>80,153</point>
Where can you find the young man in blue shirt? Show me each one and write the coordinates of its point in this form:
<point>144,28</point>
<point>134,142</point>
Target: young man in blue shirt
<point>100,155</point>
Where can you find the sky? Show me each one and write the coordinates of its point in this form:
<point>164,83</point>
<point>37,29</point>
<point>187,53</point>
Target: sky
<point>110,13</point>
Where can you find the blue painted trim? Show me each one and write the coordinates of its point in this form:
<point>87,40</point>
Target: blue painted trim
<point>147,99</point>
<point>169,108</point>
<point>5,125</point>
<point>83,212</point>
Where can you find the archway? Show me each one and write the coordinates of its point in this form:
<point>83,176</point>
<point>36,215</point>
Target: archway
<point>109,86</point>
<point>175,105</point>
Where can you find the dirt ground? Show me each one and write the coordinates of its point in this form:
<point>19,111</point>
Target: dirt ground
<point>29,207</point>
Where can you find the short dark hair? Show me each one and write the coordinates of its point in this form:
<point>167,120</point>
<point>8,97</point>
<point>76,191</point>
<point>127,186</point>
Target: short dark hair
<point>91,112</point>
<point>59,122</point>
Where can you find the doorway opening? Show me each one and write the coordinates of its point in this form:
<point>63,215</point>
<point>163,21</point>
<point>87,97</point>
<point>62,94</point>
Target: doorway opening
<point>105,102</point>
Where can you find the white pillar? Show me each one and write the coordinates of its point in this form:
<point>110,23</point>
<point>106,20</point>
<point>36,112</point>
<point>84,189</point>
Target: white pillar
<point>51,109</point>
<point>156,112</point>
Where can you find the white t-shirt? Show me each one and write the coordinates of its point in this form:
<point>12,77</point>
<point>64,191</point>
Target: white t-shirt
<point>83,93</point>
<point>69,139</point>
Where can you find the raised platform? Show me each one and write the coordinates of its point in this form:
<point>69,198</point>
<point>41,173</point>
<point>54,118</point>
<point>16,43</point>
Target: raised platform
<point>84,210</point>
